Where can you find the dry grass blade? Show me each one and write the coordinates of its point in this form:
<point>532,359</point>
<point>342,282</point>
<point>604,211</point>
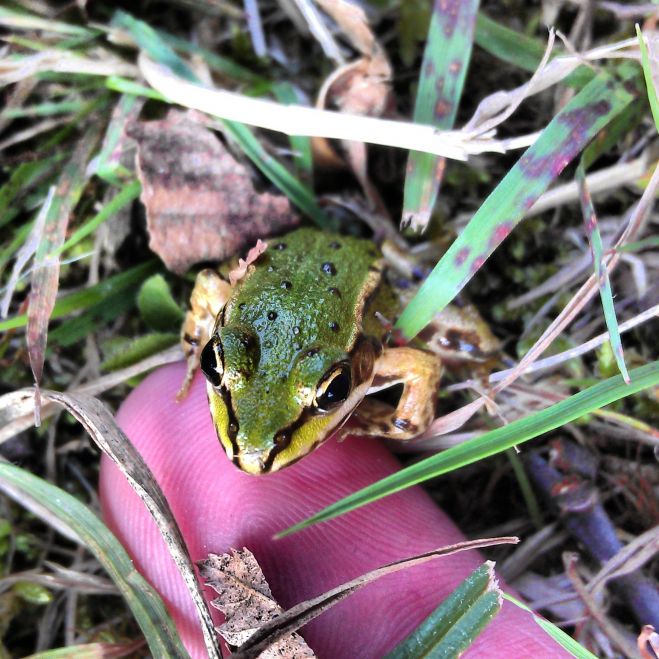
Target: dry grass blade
<point>304,612</point>
<point>17,407</point>
<point>45,276</point>
<point>26,251</point>
<point>299,120</point>
<point>101,426</point>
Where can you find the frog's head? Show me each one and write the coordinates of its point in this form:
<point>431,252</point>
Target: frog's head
<point>270,405</point>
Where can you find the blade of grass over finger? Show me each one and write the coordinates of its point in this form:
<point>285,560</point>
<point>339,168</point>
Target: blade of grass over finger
<point>454,625</point>
<point>564,640</point>
<point>597,251</point>
<point>143,600</point>
<point>492,442</point>
<point>649,78</point>
<point>565,136</point>
<point>443,72</point>
<point>301,195</point>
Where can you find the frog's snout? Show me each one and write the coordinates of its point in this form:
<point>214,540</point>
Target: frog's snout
<point>252,462</point>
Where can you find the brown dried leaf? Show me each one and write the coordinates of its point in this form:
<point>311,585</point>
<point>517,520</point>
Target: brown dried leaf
<point>200,202</point>
<point>361,87</point>
<point>246,601</point>
<point>353,23</point>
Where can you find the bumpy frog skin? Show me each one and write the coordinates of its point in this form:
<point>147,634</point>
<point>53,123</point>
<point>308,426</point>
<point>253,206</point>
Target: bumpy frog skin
<point>292,349</point>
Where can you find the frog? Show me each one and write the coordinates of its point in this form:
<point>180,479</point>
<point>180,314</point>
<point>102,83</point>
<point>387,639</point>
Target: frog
<point>291,350</point>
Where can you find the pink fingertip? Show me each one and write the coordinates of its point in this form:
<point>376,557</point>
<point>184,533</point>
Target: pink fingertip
<point>218,508</point>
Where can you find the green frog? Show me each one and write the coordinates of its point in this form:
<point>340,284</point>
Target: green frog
<point>291,350</point>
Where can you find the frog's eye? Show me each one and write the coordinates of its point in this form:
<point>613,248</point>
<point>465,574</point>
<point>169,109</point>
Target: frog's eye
<point>334,388</point>
<point>210,362</point>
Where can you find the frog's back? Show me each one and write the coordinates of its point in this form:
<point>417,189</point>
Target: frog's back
<point>308,287</point>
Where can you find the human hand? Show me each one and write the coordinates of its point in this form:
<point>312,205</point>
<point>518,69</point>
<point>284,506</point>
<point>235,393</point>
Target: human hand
<point>219,508</point>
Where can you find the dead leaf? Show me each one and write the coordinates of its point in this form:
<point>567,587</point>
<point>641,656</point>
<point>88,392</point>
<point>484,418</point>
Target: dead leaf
<point>299,615</point>
<point>361,87</point>
<point>200,202</point>
<point>246,601</point>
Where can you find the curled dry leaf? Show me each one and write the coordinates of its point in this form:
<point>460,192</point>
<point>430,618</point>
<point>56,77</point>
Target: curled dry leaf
<point>246,601</point>
<point>361,87</point>
<point>238,273</point>
<point>200,202</point>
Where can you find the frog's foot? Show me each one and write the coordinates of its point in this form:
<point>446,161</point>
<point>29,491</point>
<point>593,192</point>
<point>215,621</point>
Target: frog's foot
<point>419,372</point>
<point>209,295</point>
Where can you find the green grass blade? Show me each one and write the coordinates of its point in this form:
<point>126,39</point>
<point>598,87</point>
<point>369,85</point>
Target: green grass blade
<point>602,274</point>
<point>443,72</point>
<point>125,196</point>
<point>565,136</point>
<point>507,44</point>
<point>145,603</point>
<point>300,144</point>
<point>647,73</point>
<point>108,162</point>
<point>25,21</point>
<point>493,442</point>
<point>22,179</point>
<point>452,627</point>
<point>564,640</point>
<point>86,298</point>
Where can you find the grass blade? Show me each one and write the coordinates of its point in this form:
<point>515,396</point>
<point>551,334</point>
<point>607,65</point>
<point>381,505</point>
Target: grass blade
<point>45,276</point>
<point>602,274</point>
<point>443,72</point>
<point>565,136</point>
<point>649,79</point>
<point>452,627</point>
<point>492,442</point>
<point>564,640</point>
<point>86,298</point>
<point>144,601</point>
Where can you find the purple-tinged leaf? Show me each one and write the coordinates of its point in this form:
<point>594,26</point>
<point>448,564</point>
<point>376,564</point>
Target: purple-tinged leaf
<point>595,239</point>
<point>45,275</point>
<point>443,73</point>
<point>559,143</point>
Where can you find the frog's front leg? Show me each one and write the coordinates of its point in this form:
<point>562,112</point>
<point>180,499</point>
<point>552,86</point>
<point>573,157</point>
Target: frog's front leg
<point>419,372</point>
<point>209,295</point>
